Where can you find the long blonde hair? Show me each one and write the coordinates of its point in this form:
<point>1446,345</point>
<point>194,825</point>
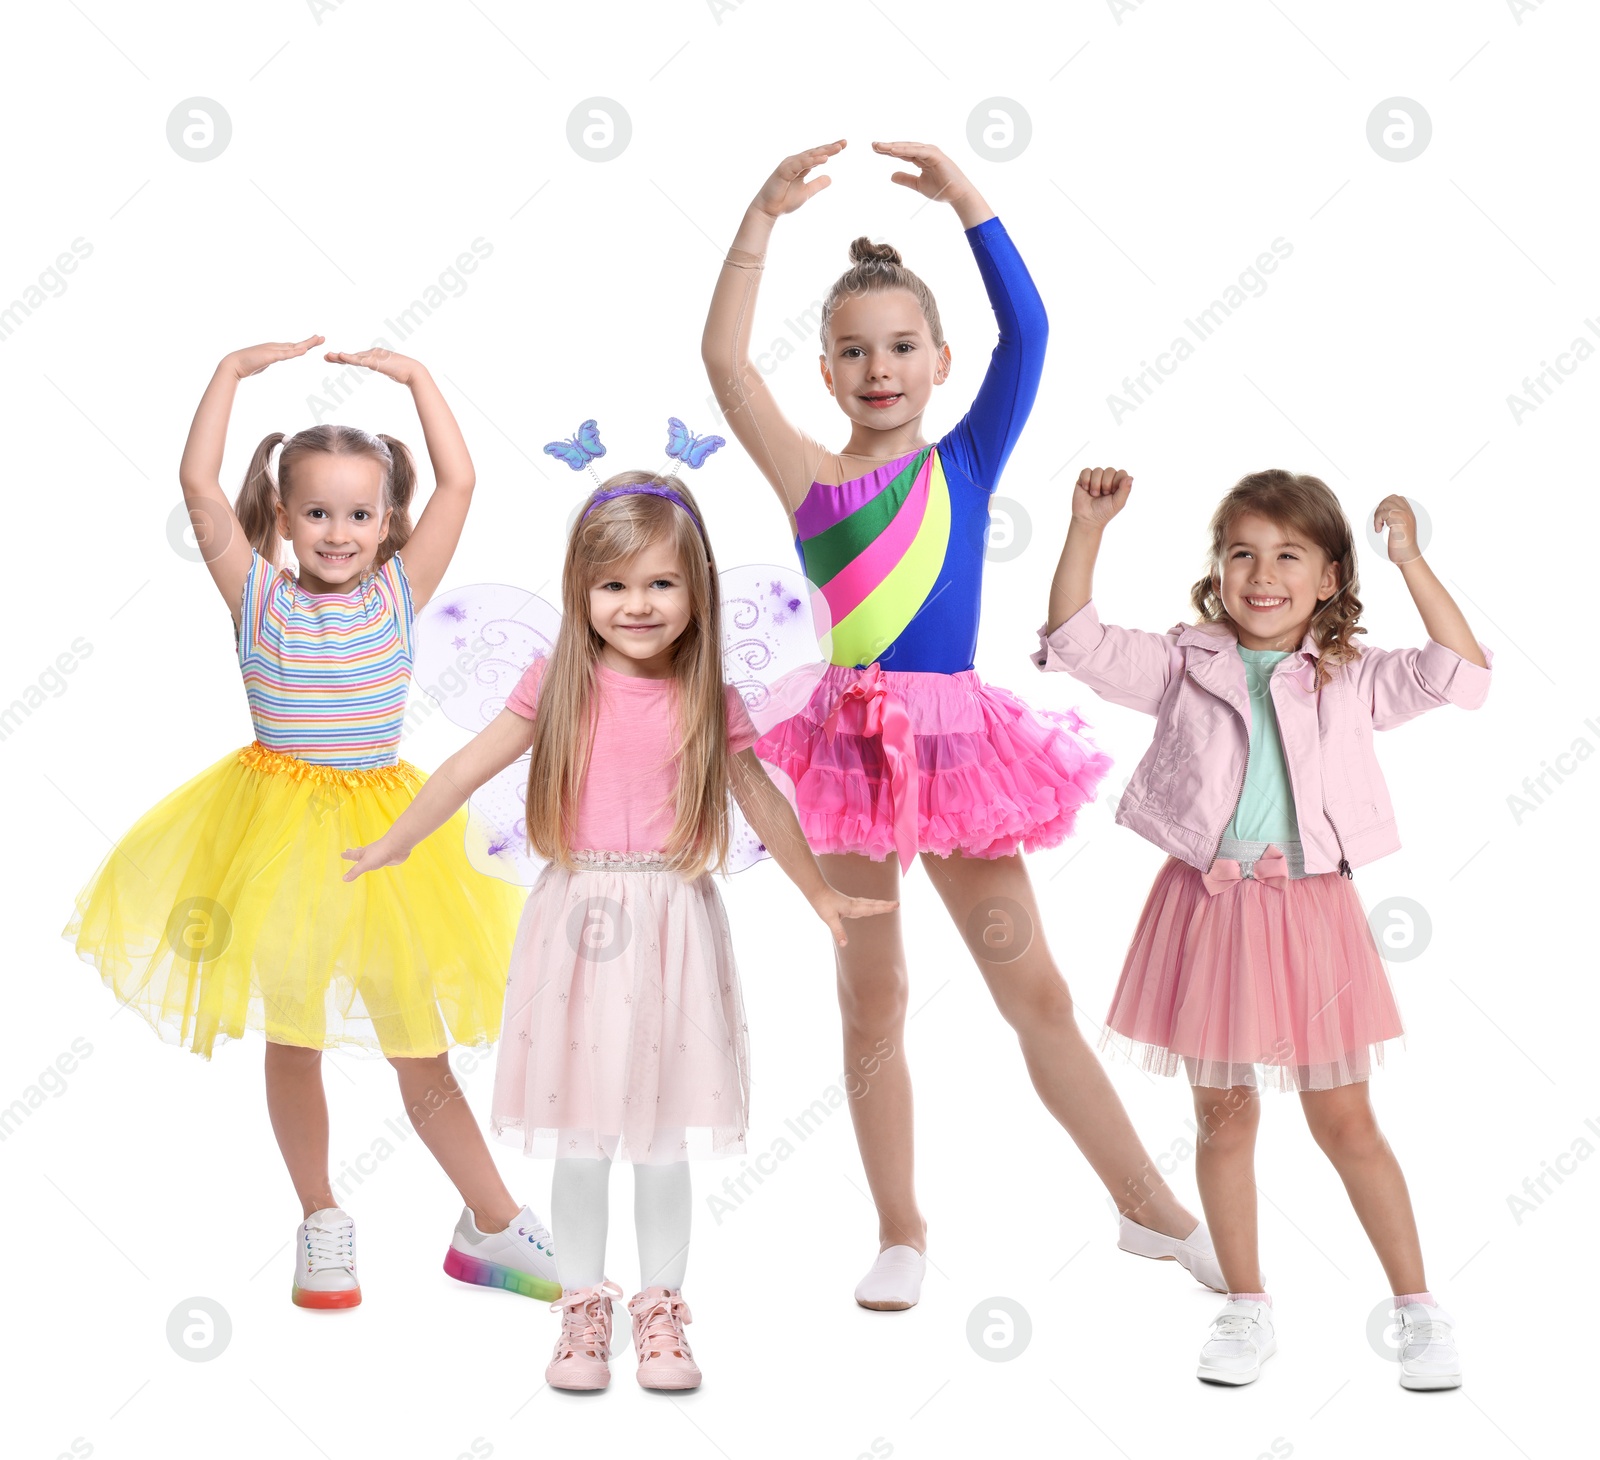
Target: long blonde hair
<point>563,733</point>
<point>1306,506</point>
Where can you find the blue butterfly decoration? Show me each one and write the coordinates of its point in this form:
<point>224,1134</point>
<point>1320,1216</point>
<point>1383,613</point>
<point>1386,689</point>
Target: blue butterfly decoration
<point>683,445</point>
<point>580,450</point>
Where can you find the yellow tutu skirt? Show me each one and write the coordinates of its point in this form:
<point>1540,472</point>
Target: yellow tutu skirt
<point>224,908</point>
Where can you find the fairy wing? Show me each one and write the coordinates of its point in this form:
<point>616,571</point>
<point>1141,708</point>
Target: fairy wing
<point>471,647</point>
<point>775,643</point>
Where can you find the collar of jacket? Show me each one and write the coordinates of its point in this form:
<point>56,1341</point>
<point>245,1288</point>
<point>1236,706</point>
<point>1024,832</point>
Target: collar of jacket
<point>1219,669</point>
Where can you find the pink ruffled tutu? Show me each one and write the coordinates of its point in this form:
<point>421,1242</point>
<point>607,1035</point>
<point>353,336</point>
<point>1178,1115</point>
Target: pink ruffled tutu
<point>1273,975</point>
<point>623,1033</point>
<point>886,762</point>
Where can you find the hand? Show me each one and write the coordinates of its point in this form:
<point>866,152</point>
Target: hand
<point>1395,513</point>
<point>788,188</point>
<point>1101,492</point>
<point>254,360</point>
<point>939,178</point>
<point>401,368</point>
<point>369,858</point>
<point>833,907</point>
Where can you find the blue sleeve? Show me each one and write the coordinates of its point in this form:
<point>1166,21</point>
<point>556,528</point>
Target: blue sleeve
<point>982,440</point>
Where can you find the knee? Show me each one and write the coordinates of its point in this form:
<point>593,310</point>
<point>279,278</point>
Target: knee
<point>1042,1001</point>
<point>297,1056</point>
<point>1348,1137</point>
<point>1228,1124</point>
<point>875,1003</point>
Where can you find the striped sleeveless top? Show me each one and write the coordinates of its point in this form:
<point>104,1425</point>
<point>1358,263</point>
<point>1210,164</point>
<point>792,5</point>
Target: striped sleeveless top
<point>327,674</point>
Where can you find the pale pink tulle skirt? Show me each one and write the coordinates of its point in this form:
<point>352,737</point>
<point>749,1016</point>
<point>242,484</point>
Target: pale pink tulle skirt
<point>623,1033</point>
<point>1264,982</point>
<point>994,776</point>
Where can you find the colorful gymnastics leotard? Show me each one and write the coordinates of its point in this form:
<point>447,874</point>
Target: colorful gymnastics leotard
<point>903,748</point>
<point>899,553</point>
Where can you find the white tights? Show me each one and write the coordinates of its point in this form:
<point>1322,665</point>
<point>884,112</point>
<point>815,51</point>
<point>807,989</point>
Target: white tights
<point>580,1210</point>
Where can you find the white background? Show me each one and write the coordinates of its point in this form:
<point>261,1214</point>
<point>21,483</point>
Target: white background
<point>1170,146</point>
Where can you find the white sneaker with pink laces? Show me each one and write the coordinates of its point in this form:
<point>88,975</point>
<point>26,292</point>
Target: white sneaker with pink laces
<point>582,1351</point>
<point>665,1360</point>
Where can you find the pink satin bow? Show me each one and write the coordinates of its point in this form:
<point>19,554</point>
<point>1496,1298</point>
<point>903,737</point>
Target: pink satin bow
<point>1271,866</point>
<point>885,717</point>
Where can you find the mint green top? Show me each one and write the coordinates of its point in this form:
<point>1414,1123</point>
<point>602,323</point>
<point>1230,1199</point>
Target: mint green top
<point>1265,812</point>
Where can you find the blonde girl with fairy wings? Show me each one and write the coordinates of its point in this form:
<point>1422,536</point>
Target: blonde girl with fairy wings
<point>1253,963</point>
<point>904,752</point>
<point>223,908</point>
<point>624,1031</point>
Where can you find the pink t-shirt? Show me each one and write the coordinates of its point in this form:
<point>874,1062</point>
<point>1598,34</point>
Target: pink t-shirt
<point>626,804</point>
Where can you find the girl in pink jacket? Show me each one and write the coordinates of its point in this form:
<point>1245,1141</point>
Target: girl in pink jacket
<point>1253,961</point>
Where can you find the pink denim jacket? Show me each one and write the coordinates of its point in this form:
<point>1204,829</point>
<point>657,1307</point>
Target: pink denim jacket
<point>1193,681</point>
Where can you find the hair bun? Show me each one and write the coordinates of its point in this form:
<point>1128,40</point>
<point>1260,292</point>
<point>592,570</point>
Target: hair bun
<point>864,250</point>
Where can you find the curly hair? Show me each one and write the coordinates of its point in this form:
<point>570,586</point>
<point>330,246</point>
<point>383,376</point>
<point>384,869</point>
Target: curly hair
<point>1306,506</point>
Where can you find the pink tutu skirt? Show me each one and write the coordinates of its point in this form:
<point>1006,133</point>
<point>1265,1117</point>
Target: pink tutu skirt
<point>1233,975</point>
<point>887,762</point>
<point>623,1033</point>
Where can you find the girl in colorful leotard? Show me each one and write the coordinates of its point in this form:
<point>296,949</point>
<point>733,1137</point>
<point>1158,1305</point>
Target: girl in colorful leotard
<point>903,750</point>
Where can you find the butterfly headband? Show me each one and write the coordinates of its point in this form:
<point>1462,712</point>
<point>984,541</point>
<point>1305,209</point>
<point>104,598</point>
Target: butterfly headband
<point>683,446</point>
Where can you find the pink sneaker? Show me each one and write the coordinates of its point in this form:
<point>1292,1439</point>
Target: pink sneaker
<point>665,1360</point>
<point>581,1352</point>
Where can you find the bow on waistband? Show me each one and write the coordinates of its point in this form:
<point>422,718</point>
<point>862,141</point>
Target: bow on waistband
<point>1271,866</point>
<point>885,718</point>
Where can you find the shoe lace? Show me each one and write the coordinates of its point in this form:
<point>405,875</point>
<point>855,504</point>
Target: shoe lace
<point>586,1321</point>
<point>1424,1330</point>
<point>658,1325</point>
<point>331,1245</point>
<point>539,1234</point>
<point>1232,1325</point>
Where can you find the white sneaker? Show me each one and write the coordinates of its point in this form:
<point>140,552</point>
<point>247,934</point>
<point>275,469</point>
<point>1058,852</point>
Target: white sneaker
<point>325,1265</point>
<point>894,1280</point>
<point>1241,1341</point>
<point>1193,1252</point>
<point>1428,1356</point>
<point>519,1259</point>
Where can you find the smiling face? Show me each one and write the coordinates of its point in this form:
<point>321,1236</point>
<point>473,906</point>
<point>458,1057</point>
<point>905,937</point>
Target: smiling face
<point>335,519</point>
<point>1271,581</point>
<point>639,607</point>
<point>881,363</point>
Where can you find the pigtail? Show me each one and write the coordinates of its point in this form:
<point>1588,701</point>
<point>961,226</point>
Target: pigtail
<point>257,504</point>
<point>402,488</point>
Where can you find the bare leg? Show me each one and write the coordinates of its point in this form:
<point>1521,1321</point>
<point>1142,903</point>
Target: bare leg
<point>1225,1171</point>
<point>441,1116</point>
<point>1343,1124</point>
<point>872,1007</point>
<point>298,1109</point>
<point>992,903</point>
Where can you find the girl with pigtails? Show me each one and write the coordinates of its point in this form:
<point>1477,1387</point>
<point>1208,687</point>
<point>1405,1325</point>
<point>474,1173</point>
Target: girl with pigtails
<point>223,908</point>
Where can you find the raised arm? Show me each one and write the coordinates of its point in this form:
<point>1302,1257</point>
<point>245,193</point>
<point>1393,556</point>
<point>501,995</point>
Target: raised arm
<point>223,545</point>
<point>785,455</point>
<point>989,430</point>
<point>1129,667</point>
<point>433,540</point>
<point>489,752</point>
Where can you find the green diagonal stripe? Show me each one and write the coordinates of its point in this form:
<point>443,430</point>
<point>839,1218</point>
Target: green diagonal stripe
<point>835,548</point>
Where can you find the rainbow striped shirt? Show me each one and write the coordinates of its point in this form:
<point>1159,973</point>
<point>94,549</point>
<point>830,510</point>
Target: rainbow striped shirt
<point>327,674</point>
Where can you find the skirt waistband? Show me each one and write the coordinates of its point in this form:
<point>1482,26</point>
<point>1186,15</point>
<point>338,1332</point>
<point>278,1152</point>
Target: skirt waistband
<point>402,775</point>
<point>1248,853</point>
<point>610,861</point>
